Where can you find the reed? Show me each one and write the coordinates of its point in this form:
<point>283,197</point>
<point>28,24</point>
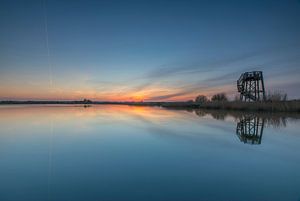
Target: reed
<point>271,106</point>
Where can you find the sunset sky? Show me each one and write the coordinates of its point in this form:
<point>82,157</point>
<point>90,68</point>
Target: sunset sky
<point>145,50</point>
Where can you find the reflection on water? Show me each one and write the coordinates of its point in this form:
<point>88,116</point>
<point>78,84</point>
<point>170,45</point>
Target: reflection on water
<point>271,119</point>
<point>250,126</point>
<point>250,129</point>
<point>146,153</point>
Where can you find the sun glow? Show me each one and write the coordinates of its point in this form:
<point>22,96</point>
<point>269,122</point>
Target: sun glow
<point>138,98</point>
<point>118,94</point>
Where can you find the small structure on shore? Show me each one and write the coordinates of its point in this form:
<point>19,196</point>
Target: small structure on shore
<point>251,86</point>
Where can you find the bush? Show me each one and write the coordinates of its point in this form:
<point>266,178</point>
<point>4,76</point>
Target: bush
<point>87,101</point>
<point>220,97</point>
<point>201,99</point>
<point>237,98</point>
<point>276,96</point>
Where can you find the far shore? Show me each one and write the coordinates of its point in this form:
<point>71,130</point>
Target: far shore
<point>270,106</point>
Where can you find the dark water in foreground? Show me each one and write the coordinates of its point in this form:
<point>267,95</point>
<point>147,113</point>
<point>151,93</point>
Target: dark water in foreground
<point>143,153</point>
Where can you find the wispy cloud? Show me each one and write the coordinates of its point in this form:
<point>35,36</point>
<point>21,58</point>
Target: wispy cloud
<point>187,79</point>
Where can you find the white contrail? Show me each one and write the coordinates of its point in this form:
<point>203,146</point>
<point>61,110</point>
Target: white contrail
<point>50,83</point>
<point>50,160</point>
<point>47,43</point>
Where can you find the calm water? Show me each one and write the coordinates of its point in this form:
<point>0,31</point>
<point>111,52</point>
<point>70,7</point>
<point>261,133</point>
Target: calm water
<point>143,153</point>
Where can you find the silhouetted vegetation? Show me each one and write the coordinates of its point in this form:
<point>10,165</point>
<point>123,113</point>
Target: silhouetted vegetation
<point>86,101</point>
<point>276,96</point>
<point>201,99</point>
<point>220,97</point>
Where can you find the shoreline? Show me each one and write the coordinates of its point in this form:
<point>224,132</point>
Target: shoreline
<point>275,106</point>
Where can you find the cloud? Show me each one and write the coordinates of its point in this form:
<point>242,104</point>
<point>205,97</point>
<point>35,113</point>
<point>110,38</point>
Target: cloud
<point>197,67</point>
<point>171,81</point>
<point>168,96</point>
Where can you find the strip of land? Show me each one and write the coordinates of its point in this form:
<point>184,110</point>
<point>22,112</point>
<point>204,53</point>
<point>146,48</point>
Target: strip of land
<point>271,106</point>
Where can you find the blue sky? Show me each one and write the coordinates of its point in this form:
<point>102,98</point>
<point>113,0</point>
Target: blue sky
<point>150,50</point>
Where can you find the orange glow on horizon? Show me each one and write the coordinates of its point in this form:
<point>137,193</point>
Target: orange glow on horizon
<point>115,94</point>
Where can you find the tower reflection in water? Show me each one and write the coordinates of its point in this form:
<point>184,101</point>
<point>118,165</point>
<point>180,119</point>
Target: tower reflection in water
<point>250,129</point>
<point>250,126</point>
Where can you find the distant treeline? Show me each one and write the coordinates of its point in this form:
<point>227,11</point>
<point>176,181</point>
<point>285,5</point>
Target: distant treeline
<point>274,103</point>
<point>274,106</point>
<point>46,102</point>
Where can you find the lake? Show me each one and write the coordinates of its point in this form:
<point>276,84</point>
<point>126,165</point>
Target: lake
<point>111,152</point>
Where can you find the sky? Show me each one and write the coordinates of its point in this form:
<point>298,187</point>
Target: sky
<point>145,50</point>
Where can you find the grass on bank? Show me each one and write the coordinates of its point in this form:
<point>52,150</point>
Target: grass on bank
<point>275,102</point>
<point>272,106</point>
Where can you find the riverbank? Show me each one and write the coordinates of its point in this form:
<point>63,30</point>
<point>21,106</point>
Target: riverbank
<point>278,106</point>
<point>275,106</point>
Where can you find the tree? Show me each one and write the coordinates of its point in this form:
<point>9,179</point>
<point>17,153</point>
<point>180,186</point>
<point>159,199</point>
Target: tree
<point>201,99</point>
<point>87,101</point>
<point>220,97</point>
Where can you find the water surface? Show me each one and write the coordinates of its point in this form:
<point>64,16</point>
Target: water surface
<point>146,153</point>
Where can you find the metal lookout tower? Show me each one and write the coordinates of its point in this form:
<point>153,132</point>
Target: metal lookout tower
<point>251,86</point>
